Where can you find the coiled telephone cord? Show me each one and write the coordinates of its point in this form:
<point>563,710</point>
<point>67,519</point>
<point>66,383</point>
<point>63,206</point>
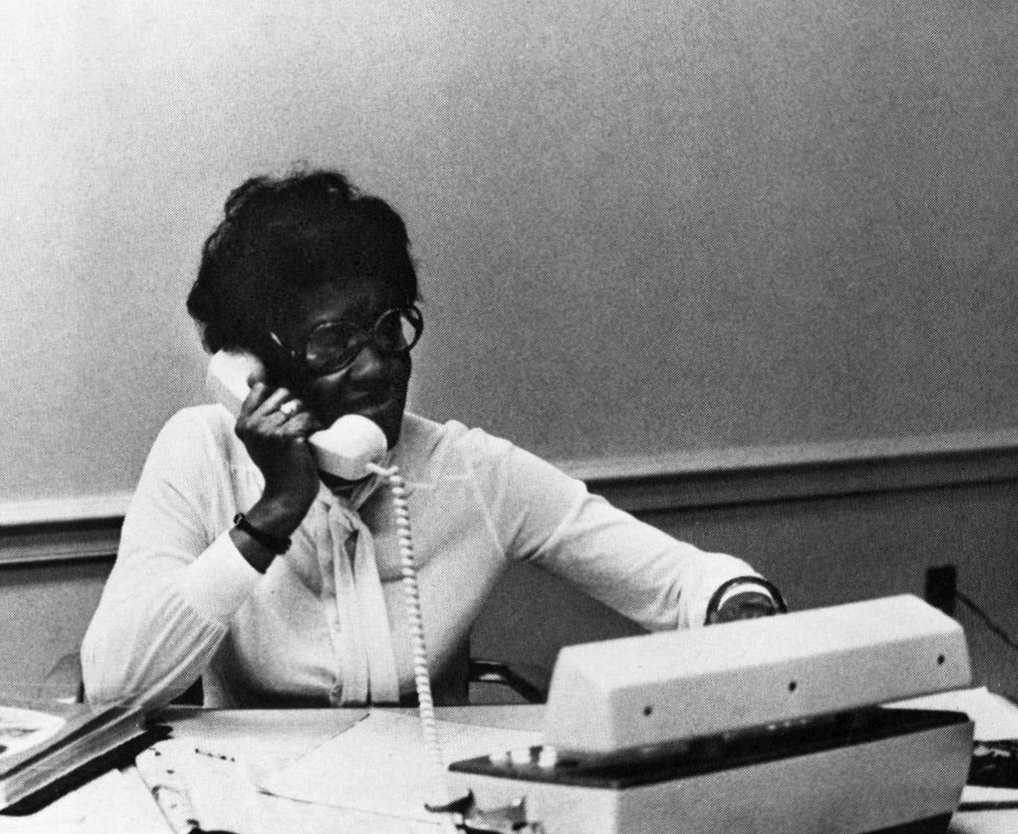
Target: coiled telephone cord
<point>415,623</point>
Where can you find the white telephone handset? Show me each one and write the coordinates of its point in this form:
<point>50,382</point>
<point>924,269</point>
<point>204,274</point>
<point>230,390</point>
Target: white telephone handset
<point>344,449</point>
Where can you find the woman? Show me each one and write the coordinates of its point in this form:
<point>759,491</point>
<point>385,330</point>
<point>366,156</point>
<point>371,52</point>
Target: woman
<point>280,585</point>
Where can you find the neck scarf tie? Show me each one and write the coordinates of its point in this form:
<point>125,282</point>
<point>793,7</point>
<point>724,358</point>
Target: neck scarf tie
<point>365,643</point>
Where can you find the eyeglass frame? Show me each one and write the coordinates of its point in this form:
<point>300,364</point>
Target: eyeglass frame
<point>411,312</point>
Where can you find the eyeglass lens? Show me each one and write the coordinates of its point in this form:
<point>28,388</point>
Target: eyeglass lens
<point>334,345</point>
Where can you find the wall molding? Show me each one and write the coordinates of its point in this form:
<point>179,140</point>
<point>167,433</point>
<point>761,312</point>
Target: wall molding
<point>719,478</point>
<point>59,530</point>
<point>87,528</point>
<point>64,510</point>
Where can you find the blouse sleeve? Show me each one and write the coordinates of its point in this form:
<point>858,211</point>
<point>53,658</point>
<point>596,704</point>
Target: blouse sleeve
<point>176,583</point>
<point>541,515</point>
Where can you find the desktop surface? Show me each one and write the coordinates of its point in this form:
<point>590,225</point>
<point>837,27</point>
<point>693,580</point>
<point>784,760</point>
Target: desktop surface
<point>107,802</point>
<point>305,723</point>
<point>296,730</point>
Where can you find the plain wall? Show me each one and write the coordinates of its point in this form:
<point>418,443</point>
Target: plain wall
<point>45,611</point>
<point>641,227</point>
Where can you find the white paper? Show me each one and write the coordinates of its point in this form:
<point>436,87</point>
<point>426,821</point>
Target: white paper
<point>995,717</point>
<point>115,801</point>
<point>381,764</point>
<point>984,822</point>
<point>213,782</point>
<point>209,783</point>
<point>24,728</point>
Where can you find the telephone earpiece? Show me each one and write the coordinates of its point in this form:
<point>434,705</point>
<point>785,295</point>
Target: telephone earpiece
<point>344,449</point>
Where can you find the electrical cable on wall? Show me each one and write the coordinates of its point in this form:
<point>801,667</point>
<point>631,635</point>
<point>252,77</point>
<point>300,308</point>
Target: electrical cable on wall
<point>986,619</point>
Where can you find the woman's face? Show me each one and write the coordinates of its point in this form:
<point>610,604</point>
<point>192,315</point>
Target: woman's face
<point>375,384</point>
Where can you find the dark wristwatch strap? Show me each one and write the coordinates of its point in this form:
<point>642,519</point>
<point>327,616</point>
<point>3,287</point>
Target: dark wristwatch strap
<point>274,544</point>
<point>749,582</point>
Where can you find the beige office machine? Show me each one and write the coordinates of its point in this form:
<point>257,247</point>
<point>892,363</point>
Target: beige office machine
<point>771,725</point>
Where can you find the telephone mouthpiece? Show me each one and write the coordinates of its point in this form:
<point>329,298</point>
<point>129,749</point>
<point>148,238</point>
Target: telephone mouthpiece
<point>347,447</point>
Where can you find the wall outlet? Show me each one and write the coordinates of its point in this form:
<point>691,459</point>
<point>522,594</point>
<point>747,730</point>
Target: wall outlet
<point>941,582</point>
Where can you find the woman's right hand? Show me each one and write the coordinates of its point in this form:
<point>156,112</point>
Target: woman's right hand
<point>274,426</point>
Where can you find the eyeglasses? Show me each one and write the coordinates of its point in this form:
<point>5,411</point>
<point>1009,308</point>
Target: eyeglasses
<point>334,345</point>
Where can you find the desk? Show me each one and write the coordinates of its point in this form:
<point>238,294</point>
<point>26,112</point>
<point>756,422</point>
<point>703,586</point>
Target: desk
<point>120,802</point>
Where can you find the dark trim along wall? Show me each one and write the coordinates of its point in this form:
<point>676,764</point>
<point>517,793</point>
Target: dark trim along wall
<point>674,482</point>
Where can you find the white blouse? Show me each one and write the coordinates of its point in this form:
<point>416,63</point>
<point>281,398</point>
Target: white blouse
<point>326,623</point>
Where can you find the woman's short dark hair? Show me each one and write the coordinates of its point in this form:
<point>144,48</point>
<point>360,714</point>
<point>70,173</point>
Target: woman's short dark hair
<point>283,236</point>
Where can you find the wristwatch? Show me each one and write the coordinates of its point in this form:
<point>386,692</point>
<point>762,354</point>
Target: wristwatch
<point>742,585</point>
<point>274,544</point>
